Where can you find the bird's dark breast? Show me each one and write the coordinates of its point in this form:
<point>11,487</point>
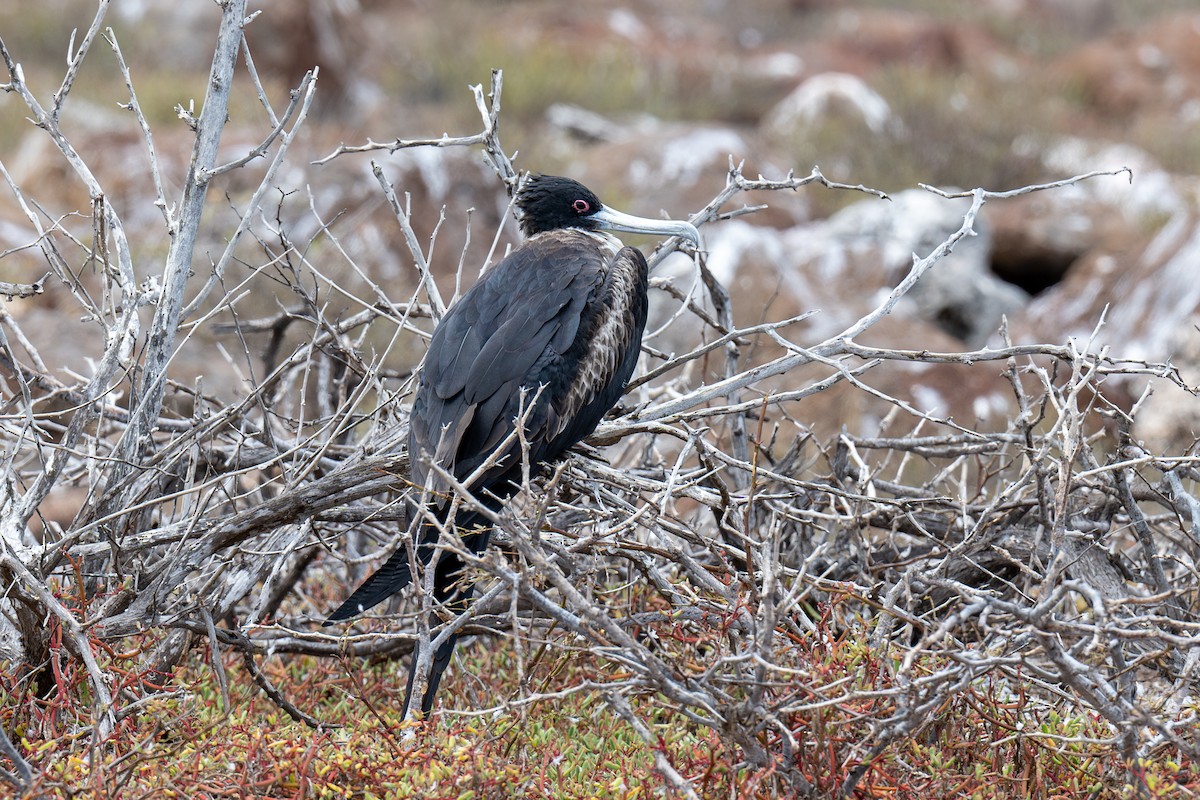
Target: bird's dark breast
<point>592,374</point>
<point>559,320</point>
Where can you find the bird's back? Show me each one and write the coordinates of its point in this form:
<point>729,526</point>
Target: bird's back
<point>553,331</point>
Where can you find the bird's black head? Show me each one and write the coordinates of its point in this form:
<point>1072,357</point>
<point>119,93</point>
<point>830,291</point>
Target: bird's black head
<point>547,203</point>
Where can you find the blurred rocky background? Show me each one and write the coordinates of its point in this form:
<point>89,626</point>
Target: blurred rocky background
<point>646,102</point>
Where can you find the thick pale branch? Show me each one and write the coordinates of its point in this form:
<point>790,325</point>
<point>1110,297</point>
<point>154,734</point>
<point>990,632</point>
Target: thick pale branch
<point>164,327</point>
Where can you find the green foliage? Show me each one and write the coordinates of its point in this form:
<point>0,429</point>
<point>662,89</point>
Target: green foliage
<point>992,740</point>
<point>950,130</point>
<point>602,73</point>
<point>1045,34</point>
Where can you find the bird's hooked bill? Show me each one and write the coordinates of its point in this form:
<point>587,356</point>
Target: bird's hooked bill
<point>610,219</point>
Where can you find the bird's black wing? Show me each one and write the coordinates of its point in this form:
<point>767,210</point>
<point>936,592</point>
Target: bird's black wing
<point>517,320</point>
<point>515,323</point>
<point>554,331</point>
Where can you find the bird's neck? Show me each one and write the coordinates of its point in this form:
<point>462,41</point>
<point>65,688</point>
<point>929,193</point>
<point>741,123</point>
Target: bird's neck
<point>608,243</point>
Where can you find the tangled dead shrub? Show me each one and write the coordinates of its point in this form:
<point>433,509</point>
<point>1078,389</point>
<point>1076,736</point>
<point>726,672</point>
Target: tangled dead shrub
<point>717,556</point>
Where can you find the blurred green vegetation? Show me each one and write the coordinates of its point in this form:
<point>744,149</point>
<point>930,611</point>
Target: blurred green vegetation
<point>1076,21</point>
<point>953,130</point>
<point>960,127</point>
<point>38,36</point>
<point>606,74</point>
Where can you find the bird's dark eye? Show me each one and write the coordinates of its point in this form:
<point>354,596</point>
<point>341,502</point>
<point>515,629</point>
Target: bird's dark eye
<point>581,206</point>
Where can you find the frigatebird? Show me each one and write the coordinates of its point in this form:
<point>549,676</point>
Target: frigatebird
<point>550,336</point>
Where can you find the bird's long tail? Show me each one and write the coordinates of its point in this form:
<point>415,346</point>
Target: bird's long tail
<point>396,572</point>
<point>454,594</point>
<point>449,590</point>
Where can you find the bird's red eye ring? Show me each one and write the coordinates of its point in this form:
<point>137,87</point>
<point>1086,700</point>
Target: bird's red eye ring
<point>581,206</point>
